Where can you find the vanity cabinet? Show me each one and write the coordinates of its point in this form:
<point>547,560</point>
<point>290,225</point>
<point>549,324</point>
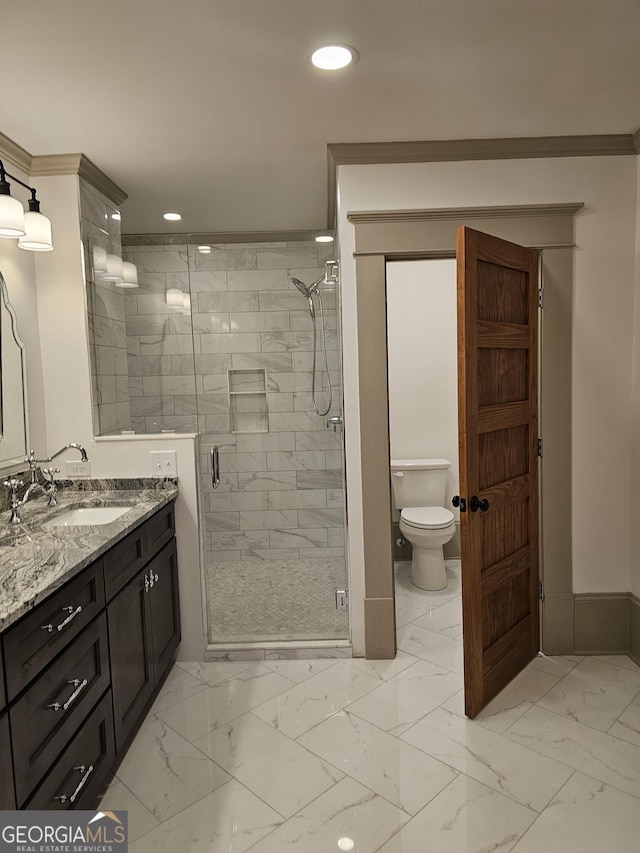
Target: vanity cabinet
<point>144,631</point>
<point>82,667</point>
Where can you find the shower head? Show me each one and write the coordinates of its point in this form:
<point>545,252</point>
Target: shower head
<point>307,290</point>
<point>302,287</point>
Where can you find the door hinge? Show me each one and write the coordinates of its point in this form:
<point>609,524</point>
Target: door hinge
<point>540,297</point>
<point>540,448</point>
<point>541,590</point>
<point>342,599</point>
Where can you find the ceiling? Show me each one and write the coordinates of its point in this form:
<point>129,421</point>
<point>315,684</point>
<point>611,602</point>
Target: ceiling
<point>210,108</point>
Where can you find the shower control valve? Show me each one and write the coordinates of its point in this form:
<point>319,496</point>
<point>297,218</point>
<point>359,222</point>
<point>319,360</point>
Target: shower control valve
<point>334,421</point>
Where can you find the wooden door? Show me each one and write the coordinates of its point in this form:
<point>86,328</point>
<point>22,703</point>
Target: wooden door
<point>498,439</point>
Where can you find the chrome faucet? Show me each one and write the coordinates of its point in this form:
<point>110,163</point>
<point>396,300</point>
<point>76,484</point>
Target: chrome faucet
<point>50,490</point>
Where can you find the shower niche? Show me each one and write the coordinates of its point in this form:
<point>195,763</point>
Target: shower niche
<point>248,401</point>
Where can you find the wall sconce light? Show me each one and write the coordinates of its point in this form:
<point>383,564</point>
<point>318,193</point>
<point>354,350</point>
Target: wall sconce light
<point>114,268</point>
<point>175,298</point>
<point>130,275</point>
<point>32,229</point>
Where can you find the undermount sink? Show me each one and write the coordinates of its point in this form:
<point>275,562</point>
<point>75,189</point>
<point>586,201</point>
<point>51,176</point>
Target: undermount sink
<point>87,515</point>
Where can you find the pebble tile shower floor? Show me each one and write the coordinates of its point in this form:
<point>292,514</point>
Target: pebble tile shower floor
<point>314,756</point>
<point>269,600</point>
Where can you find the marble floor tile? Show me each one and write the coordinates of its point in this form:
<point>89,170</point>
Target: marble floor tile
<point>587,816</point>
<point>213,672</point>
<point>446,619</point>
<point>179,685</point>
<point>348,817</point>
<point>405,588</point>
<point>267,762</point>
<point>595,753</point>
<point>594,693</point>
<point>305,705</point>
<point>165,772</point>
<point>200,714</point>
<point>618,660</point>
<point>230,819</point>
<point>467,817</point>
<point>403,775</point>
<point>384,669</point>
<point>555,664</point>
<point>431,646</point>
<point>298,670</point>
<point>408,609</point>
<point>524,775</point>
<point>512,702</point>
<point>140,819</point>
<point>400,702</point>
<point>627,726</point>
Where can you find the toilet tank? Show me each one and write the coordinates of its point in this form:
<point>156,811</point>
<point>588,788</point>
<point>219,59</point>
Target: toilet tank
<point>419,482</point>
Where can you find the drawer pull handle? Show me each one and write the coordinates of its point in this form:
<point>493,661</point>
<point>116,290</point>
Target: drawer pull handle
<point>79,685</point>
<point>71,615</point>
<point>86,771</point>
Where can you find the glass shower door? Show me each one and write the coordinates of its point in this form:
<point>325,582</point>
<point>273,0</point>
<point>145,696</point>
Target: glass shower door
<point>274,553</point>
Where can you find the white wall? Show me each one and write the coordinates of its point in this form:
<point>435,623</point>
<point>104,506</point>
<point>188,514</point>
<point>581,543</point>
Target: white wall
<point>58,364</point>
<point>635,468</point>
<point>422,358</point>
<point>602,331</point>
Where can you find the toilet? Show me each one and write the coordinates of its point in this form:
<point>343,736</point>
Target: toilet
<point>419,487</point>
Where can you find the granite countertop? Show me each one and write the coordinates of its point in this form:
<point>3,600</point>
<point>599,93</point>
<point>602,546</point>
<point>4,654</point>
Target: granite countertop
<point>35,560</point>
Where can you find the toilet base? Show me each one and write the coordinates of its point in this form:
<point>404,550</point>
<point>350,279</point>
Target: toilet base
<point>428,570</point>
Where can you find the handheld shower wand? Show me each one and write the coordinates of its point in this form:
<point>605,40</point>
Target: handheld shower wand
<point>309,291</point>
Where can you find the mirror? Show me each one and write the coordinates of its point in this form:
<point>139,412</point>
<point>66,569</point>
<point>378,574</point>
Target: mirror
<point>13,400</point>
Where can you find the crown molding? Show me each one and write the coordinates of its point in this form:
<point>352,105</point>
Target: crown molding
<point>14,154</point>
<point>493,212</point>
<point>446,150</point>
<point>78,164</point>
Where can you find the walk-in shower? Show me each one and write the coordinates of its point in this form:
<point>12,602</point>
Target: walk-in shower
<point>310,291</point>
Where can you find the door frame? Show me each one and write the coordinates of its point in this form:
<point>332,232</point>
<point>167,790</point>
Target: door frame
<point>422,234</point>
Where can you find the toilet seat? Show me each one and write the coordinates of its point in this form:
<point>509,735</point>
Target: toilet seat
<point>427,517</point>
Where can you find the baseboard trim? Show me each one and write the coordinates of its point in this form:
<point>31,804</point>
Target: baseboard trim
<point>604,624</point>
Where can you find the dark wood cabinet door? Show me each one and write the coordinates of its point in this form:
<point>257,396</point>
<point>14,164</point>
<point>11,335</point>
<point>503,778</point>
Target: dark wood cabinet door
<point>160,529</point>
<point>3,694</point>
<point>124,560</point>
<point>132,670</point>
<point>7,793</point>
<point>165,607</point>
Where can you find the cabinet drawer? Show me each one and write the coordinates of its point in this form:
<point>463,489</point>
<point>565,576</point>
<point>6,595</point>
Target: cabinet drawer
<point>38,637</point>
<point>7,794</point>
<point>47,716</point>
<point>78,778</point>
<point>124,561</point>
<point>160,529</point>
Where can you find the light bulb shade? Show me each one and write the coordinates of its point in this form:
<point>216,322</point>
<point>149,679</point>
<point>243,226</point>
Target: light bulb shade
<point>99,260</point>
<point>186,303</point>
<point>130,273</point>
<point>175,298</point>
<point>114,268</point>
<point>11,217</point>
<point>37,236</point>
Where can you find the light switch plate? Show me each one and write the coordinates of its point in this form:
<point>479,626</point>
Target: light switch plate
<point>164,463</point>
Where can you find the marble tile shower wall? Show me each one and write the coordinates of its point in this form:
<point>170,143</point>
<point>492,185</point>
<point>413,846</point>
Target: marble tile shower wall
<point>281,489</point>
<point>106,318</point>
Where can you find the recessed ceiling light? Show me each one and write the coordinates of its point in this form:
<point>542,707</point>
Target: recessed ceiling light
<point>331,57</point>
<point>116,216</point>
<point>172,217</point>
<point>204,250</point>
<point>323,238</point>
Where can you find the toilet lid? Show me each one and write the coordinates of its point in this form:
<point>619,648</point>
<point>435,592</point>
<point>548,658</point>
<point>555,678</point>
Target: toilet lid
<point>427,517</point>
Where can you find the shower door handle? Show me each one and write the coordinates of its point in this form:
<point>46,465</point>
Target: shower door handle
<point>215,467</point>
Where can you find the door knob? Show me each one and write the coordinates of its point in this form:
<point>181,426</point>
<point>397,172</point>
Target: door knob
<point>482,505</point>
<point>457,501</point>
